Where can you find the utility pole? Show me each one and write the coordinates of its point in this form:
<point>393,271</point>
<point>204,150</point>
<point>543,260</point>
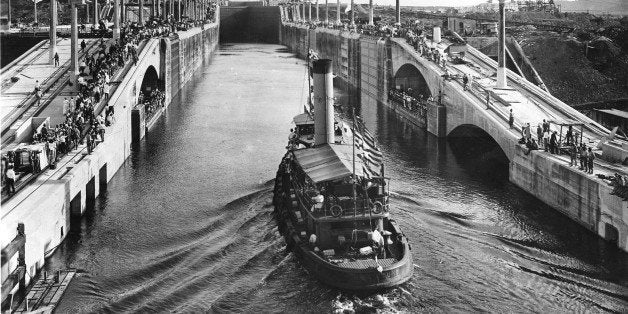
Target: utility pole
<point>74,43</point>
<point>309,10</point>
<point>371,12</point>
<point>501,50</point>
<point>96,16</point>
<point>140,12</point>
<point>352,13</point>
<point>317,19</point>
<point>53,31</point>
<point>397,12</point>
<point>9,13</point>
<point>122,11</point>
<point>116,19</point>
<point>35,11</point>
<point>179,13</point>
<point>338,11</point>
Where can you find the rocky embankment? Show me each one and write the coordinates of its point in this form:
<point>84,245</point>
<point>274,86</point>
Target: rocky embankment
<point>574,73</point>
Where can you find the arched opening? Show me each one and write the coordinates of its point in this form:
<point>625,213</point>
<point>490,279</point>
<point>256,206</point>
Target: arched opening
<point>151,81</point>
<point>478,150</point>
<point>410,80</point>
<point>152,94</point>
<point>611,233</point>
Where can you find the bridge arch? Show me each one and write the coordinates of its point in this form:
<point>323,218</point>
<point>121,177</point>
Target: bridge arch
<point>409,79</point>
<point>483,137</point>
<point>151,81</point>
<point>403,57</point>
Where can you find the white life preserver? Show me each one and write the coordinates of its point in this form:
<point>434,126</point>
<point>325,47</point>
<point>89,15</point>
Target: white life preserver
<point>336,211</point>
<point>378,207</point>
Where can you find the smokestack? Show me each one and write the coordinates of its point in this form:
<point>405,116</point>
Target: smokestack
<point>323,102</point>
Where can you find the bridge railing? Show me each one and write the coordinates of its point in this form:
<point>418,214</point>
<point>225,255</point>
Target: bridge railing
<point>475,89</point>
<point>550,100</point>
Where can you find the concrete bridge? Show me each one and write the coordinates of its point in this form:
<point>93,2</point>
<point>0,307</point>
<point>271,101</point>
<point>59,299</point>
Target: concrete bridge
<point>374,65</point>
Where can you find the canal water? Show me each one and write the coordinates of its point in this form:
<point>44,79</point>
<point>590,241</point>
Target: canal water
<point>186,226</point>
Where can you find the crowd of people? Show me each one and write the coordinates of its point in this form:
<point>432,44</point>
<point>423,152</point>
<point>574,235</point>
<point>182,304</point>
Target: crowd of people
<point>83,124</point>
<point>152,102</point>
<point>554,143</point>
<point>414,104</point>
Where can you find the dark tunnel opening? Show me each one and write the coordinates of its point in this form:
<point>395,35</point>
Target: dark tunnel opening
<point>475,148</point>
<point>250,24</point>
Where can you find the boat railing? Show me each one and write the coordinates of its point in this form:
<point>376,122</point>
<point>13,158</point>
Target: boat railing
<point>363,206</point>
<point>339,206</point>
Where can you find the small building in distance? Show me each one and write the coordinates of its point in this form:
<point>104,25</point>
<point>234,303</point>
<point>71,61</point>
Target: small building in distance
<point>462,26</point>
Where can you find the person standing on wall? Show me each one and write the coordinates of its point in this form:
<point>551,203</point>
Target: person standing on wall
<point>10,178</point>
<point>590,158</point>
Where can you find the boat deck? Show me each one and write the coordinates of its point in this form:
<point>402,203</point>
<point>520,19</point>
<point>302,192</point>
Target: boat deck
<point>367,263</point>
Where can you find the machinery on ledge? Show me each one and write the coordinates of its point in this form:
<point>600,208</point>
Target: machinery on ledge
<point>331,202</point>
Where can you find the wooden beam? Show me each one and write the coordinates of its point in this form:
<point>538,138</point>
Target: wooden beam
<point>12,280</point>
<point>16,244</point>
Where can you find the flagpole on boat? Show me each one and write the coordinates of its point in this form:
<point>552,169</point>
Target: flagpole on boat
<point>353,159</point>
<point>309,74</point>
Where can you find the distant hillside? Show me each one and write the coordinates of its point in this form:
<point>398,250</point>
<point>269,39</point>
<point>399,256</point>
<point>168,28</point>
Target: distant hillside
<point>615,7</point>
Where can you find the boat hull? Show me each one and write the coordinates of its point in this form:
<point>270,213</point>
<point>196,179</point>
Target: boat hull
<point>354,279</point>
<point>366,278</point>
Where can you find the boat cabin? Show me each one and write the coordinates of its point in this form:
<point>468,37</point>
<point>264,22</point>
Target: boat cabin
<point>339,211</point>
<point>304,128</point>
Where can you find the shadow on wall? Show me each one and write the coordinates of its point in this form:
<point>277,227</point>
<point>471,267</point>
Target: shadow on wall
<point>250,24</point>
<point>13,47</point>
<point>470,143</point>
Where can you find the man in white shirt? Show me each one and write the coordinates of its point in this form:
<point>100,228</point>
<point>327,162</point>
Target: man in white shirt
<point>106,91</point>
<point>66,106</point>
<point>10,175</point>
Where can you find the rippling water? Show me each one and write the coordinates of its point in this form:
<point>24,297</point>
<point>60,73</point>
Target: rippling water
<point>185,225</point>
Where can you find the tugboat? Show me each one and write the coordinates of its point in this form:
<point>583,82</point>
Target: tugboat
<point>331,202</point>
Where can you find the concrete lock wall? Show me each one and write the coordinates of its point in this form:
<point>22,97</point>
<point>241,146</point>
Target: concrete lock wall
<point>46,210</point>
<point>584,199</point>
<point>370,64</point>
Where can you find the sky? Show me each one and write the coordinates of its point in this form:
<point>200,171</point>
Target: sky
<point>444,3</point>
